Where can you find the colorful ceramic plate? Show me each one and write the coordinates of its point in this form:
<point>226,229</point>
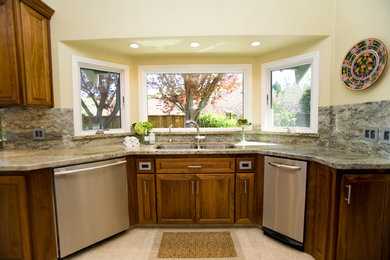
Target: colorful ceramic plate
<point>364,64</point>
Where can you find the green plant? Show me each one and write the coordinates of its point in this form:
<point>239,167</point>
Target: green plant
<point>216,120</point>
<point>304,101</point>
<point>141,127</point>
<point>282,117</point>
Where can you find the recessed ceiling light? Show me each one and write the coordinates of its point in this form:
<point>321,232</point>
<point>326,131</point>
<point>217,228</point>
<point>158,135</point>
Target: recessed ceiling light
<point>134,45</point>
<point>256,43</point>
<point>194,44</point>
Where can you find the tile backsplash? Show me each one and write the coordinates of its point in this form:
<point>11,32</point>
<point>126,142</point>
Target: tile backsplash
<point>338,127</point>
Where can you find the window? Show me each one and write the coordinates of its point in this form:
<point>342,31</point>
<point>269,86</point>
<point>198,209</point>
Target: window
<point>99,96</point>
<point>290,94</point>
<point>214,96</point>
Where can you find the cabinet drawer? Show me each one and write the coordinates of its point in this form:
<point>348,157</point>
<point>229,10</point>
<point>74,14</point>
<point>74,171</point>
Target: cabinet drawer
<point>195,165</point>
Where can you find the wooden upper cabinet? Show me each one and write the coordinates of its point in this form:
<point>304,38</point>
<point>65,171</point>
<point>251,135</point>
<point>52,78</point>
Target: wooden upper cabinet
<point>25,61</point>
<point>9,76</point>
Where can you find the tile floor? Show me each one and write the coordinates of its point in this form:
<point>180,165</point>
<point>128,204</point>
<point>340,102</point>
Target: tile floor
<point>142,243</point>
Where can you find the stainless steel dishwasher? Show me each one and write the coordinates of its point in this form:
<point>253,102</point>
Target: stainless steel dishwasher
<point>284,200</point>
<point>91,203</point>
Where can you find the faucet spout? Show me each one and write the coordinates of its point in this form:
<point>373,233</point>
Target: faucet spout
<point>198,137</point>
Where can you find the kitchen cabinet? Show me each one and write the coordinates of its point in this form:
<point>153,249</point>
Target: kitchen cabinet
<point>146,198</point>
<point>364,223</point>
<point>27,223</point>
<point>195,198</point>
<point>25,61</point>
<point>14,225</point>
<point>244,197</point>
<point>347,213</point>
<point>214,198</point>
<point>176,198</point>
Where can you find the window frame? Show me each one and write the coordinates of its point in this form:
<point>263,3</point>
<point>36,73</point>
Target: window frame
<point>82,62</point>
<point>266,68</point>
<point>143,70</point>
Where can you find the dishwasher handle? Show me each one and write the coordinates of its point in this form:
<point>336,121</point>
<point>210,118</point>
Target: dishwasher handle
<point>89,168</point>
<point>285,167</point>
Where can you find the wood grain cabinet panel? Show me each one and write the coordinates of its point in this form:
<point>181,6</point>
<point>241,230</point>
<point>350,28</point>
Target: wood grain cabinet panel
<point>215,198</point>
<point>244,197</point>
<point>175,198</point>
<point>14,224</point>
<point>364,217</point>
<point>36,59</point>
<point>25,53</point>
<point>146,198</point>
<point>195,165</point>
<point>9,71</point>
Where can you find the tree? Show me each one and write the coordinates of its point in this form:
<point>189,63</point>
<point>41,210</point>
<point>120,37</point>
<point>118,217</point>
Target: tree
<point>192,92</point>
<point>102,88</point>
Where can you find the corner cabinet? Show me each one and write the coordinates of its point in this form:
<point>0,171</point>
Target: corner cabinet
<point>25,53</point>
<point>348,214</point>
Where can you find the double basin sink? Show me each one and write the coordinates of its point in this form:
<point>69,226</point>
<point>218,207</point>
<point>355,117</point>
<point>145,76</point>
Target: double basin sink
<point>172,146</point>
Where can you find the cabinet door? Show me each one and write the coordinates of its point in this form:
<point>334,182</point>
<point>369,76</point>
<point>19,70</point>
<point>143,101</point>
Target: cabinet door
<point>36,57</point>
<point>364,217</point>
<point>14,224</point>
<point>9,83</point>
<point>244,197</point>
<point>176,198</point>
<point>146,198</point>
<point>215,198</point>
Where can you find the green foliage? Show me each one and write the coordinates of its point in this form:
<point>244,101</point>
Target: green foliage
<point>304,101</point>
<point>282,117</point>
<point>216,120</point>
<point>141,127</point>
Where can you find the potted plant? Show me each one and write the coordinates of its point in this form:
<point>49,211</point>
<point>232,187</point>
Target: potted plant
<point>143,129</point>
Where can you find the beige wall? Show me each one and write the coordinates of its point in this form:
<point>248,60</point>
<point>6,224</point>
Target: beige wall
<point>357,20</point>
<point>346,21</point>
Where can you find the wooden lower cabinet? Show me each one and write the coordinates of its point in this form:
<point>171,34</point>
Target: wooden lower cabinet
<point>14,224</point>
<point>146,198</point>
<point>364,223</point>
<point>347,214</point>
<point>215,198</point>
<point>244,197</point>
<point>176,198</point>
<point>195,198</point>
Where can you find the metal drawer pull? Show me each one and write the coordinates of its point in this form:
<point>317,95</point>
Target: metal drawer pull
<point>348,199</point>
<point>194,166</point>
<point>285,167</point>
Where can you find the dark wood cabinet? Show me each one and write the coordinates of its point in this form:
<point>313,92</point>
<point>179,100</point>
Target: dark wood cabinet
<point>364,224</point>
<point>25,61</point>
<point>347,213</point>
<point>14,224</point>
<point>214,198</point>
<point>146,198</point>
<point>244,197</point>
<point>176,198</point>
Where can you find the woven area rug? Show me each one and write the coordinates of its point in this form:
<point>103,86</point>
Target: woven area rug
<point>196,245</point>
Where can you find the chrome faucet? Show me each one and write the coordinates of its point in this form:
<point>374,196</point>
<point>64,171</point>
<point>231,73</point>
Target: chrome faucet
<point>198,137</point>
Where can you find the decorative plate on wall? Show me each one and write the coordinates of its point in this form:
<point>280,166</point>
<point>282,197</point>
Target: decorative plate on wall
<point>364,64</point>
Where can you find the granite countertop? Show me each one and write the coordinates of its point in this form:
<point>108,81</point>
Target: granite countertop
<point>25,160</point>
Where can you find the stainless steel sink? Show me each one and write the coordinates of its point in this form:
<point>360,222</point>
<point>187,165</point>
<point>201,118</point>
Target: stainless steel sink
<point>194,146</point>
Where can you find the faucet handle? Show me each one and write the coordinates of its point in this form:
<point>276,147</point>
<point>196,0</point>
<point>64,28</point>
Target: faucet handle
<point>219,139</point>
<point>200,137</point>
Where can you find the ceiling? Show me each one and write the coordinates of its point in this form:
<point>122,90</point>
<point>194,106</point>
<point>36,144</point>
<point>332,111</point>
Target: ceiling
<point>209,45</point>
